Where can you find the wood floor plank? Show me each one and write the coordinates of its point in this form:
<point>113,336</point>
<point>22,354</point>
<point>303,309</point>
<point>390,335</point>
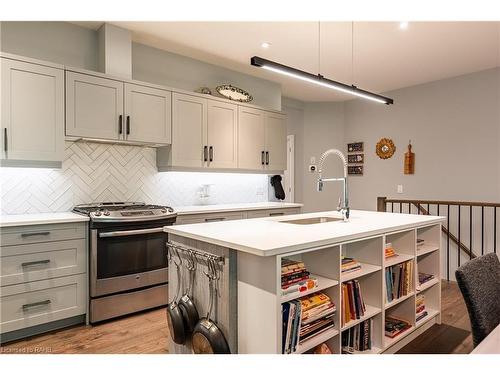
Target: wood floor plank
<point>148,333</point>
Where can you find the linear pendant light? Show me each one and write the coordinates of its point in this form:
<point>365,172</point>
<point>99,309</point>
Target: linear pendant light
<point>318,80</point>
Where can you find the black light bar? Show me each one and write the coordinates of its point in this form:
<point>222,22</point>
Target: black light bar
<point>318,80</point>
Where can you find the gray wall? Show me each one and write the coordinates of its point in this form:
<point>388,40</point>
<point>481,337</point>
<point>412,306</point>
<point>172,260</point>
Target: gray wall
<point>454,126</point>
<point>323,129</point>
<point>75,46</point>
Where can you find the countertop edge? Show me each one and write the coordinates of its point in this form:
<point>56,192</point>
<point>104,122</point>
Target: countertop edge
<point>299,247</point>
<point>19,223</point>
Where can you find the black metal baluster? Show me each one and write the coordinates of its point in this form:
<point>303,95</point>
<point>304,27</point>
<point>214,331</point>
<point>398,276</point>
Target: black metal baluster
<point>400,207</point>
<point>438,209</point>
<point>482,230</point>
<point>409,208</point>
<point>428,209</point>
<point>495,230</point>
<point>418,208</point>
<point>470,232</point>
<point>448,246</point>
<point>459,242</point>
<point>392,206</point>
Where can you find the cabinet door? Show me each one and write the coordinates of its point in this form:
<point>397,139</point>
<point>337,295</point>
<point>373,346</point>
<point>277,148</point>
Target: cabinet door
<point>148,114</point>
<point>189,123</point>
<point>32,107</point>
<point>94,107</point>
<point>251,138</point>
<point>275,125</point>
<point>222,134</point>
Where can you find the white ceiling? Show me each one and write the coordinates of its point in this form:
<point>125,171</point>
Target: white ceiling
<point>385,56</point>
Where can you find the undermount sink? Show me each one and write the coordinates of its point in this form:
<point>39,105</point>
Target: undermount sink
<point>312,220</point>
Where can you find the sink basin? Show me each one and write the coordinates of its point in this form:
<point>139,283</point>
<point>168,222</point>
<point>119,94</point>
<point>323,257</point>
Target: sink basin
<point>312,220</point>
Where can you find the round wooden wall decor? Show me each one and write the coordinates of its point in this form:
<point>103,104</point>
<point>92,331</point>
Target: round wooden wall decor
<point>385,148</point>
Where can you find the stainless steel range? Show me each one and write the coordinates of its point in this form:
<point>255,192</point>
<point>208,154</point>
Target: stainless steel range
<point>128,257</point>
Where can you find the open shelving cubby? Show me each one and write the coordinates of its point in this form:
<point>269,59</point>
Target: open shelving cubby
<point>431,302</point>
<point>405,311</point>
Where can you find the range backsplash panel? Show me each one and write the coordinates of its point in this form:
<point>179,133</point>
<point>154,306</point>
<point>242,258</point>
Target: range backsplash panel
<point>94,172</point>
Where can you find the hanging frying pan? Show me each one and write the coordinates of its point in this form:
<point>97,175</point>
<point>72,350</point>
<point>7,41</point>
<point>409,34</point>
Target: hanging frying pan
<point>175,320</point>
<point>186,303</point>
<point>207,337</point>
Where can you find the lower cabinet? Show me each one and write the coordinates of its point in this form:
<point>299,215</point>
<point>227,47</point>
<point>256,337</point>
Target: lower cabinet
<point>234,215</point>
<point>43,276</point>
<point>29,304</point>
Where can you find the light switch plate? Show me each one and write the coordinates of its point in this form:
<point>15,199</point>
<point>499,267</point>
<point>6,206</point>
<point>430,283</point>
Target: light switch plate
<point>400,189</point>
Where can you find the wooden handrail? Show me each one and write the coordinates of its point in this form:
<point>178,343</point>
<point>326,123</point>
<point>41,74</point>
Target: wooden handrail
<point>442,203</point>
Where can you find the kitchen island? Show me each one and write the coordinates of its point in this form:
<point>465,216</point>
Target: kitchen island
<point>250,298</point>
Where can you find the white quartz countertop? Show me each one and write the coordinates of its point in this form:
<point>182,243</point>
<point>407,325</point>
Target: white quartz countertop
<point>214,208</point>
<point>36,219</point>
<point>270,236</point>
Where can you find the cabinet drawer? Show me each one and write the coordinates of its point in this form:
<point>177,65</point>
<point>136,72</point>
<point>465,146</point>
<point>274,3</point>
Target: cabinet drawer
<point>41,233</point>
<point>274,212</point>
<point>29,304</point>
<point>26,263</point>
<point>208,218</point>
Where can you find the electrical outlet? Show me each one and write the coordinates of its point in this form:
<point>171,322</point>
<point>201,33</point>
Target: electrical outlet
<point>260,191</point>
<point>313,160</point>
<point>400,189</point>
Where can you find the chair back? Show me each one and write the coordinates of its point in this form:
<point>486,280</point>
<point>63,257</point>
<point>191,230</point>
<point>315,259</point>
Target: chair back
<point>479,282</point>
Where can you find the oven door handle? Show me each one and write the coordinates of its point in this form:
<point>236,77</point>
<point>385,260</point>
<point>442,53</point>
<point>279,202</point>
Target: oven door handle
<point>122,233</point>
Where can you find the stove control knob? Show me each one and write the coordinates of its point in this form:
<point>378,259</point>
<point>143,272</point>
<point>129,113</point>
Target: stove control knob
<point>106,213</point>
<point>97,213</point>
<point>163,211</point>
<point>170,209</point>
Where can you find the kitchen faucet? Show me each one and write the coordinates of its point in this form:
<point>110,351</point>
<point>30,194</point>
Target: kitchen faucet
<point>343,206</point>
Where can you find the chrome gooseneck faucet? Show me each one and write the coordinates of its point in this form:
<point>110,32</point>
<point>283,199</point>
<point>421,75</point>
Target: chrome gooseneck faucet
<point>343,205</point>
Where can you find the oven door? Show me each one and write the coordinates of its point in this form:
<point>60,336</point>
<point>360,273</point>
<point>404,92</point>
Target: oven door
<point>127,258</point>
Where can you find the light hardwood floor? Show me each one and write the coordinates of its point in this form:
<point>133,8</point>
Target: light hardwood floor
<point>148,333</point>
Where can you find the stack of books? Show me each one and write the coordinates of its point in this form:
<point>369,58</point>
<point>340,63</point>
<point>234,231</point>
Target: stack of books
<point>295,277</point>
<point>389,251</point>
<point>420,242</point>
<point>358,338</point>
<point>424,277</point>
<point>350,264</point>
<point>398,280</point>
<point>395,326</point>
<point>306,318</point>
<point>352,301</point>
<point>421,311</point>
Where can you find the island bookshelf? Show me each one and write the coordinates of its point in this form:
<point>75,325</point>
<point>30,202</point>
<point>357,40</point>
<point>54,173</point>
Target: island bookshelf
<point>325,264</point>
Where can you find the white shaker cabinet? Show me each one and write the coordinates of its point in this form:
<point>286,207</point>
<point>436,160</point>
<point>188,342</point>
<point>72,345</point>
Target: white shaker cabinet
<point>32,114</point>
<point>222,134</point>
<point>189,124</point>
<point>261,140</point>
<point>94,107</point>
<point>147,114</point>
<point>251,138</point>
<point>275,128</point>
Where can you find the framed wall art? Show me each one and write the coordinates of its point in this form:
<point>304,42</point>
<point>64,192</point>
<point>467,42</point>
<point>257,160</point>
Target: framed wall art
<point>356,158</point>
<point>355,147</point>
<point>356,170</point>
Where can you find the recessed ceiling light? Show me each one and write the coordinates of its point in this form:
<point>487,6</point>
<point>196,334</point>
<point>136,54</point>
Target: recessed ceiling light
<point>265,45</point>
<point>403,25</point>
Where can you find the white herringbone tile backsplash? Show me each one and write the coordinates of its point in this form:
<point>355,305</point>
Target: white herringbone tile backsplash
<point>93,172</point>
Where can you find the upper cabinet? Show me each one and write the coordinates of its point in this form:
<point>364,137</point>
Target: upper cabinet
<point>147,114</point>
<point>108,109</point>
<point>204,133</point>
<point>261,140</point>
<point>94,107</point>
<point>189,122</point>
<point>222,135</point>
<point>32,114</point>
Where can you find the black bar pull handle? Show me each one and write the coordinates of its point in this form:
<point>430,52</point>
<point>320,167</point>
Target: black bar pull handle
<point>267,157</point>
<point>30,234</point>
<point>35,263</point>
<point>120,124</point>
<point>211,153</point>
<point>5,142</point>
<point>35,304</point>
<point>128,125</point>
<point>262,157</point>
<point>205,153</point>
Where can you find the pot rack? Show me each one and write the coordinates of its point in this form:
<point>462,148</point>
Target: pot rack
<point>198,254</point>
